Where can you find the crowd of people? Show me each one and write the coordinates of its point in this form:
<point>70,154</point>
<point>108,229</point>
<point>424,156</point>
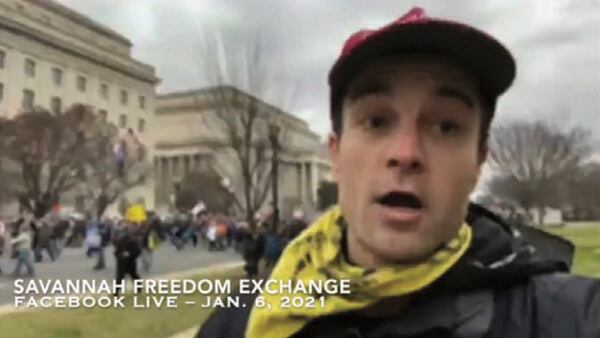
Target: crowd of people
<point>138,234</point>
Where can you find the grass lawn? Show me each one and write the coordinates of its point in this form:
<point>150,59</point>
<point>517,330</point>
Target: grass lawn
<point>586,237</point>
<point>110,323</point>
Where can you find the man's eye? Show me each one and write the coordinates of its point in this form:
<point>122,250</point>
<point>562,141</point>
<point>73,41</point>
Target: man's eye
<point>375,122</point>
<point>449,127</point>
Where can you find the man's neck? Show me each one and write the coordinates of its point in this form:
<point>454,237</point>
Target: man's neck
<point>358,254</point>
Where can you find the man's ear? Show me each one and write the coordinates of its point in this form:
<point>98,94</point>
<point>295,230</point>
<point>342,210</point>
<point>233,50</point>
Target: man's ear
<point>333,144</point>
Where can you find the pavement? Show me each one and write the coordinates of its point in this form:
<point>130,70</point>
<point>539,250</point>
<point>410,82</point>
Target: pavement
<point>73,264</point>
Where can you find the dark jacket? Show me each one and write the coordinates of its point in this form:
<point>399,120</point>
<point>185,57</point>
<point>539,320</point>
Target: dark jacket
<point>503,287</point>
<point>127,246</point>
<point>294,228</point>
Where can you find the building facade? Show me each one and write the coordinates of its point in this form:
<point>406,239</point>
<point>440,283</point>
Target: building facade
<point>52,57</point>
<point>189,139</point>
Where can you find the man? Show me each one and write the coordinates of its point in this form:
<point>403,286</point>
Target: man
<point>44,242</point>
<point>253,248</point>
<point>411,106</point>
<point>127,243</point>
<point>274,245</point>
<point>105,233</point>
<point>151,240</point>
<point>295,226</point>
<point>21,246</point>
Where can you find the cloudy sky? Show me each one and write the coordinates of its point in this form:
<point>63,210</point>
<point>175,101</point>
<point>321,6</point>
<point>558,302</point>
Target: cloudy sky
<point>556,44</point>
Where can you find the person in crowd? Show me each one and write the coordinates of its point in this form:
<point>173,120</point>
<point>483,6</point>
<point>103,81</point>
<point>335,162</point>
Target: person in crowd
<point>295,226</point>
<point>222,228</point>
<point>93,240</point>
<point>43,243</point>
<point>35,239</point>
<point>253,247</point>
<point>21,249</point>
<point>105,229</point>
<point>211,234</point>
<point>274,244</point>
<point>151,242</point>
<point>127,244</point>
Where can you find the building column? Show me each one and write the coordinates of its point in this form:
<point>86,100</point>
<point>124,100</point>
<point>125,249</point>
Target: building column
<point>176,168</point>
<point>314,181</point>
<point>157,178</point>
<point>195,163</point>
<point>300,170</point>
<point>307,173</point>
<point>186,165</point>
<point>164,179</point>
<point>166,185</point>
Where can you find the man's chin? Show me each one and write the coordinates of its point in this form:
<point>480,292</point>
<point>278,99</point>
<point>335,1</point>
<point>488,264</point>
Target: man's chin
<point>405,250</point>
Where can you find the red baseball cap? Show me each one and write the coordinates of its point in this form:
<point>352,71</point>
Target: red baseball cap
<point>483,56</point>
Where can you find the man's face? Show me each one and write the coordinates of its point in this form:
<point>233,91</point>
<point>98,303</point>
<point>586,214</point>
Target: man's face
<point>407,158</point>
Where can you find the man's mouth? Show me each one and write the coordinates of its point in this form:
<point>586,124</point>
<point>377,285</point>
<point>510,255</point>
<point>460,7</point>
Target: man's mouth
<point>398,209</point>
<point>403,200</point>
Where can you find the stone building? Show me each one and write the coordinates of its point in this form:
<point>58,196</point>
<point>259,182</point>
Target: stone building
<point>189,139</point>
<point>52,56</point>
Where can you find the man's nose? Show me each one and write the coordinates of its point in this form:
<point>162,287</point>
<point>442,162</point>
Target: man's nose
<point>405,150</point>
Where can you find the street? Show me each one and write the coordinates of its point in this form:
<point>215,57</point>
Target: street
<point>73,264</point>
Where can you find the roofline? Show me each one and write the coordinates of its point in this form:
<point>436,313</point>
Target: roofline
<point>200,91</point>
<point>41,37</point>
<point>68,13</point>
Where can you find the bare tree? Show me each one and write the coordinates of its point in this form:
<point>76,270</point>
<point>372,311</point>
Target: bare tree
<point>49,150</point>
<point>531,159</point>
<point>241,120</point>
<point>4,129</point>
<point>5,181</point>
<point>581,189</point>
<point>213,194</point>
<point>105,180</point>
<point>58,152</point>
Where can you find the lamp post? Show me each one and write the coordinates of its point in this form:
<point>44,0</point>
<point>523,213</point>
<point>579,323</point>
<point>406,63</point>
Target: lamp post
<point>274,130</point>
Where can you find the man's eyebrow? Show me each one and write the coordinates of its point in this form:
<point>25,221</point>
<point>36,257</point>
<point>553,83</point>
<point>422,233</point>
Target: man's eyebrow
<point>454,92</point>
<point>368,87</point>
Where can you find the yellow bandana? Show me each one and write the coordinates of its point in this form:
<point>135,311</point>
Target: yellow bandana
<point>317,255</point>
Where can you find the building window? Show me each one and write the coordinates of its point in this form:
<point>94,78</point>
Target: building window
<point>1,92</point>
<point>56,105</point>
<point>57,76</point>
<point>141,125</point>
<point>124,97</point>
<point>103,115</point>
<point>123,121</point>
<point>29,67</point>
<point>28,99</point>
<point>104,91</point>
<point>81,83</point>
<point>2,58</point>
<point>142,101</point>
